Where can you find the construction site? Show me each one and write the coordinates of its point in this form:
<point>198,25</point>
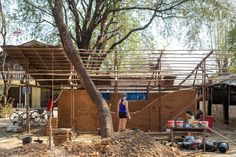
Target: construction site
<point>161,85</point>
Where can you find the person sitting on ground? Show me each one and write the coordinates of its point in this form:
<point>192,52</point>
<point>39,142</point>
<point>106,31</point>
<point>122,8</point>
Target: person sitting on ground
<point>190,120</point>
<point>190,117</point>
<point>123,112</point>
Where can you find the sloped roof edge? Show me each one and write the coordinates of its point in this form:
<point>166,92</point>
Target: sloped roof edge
<point>33,43</point>
<point>229,79</point>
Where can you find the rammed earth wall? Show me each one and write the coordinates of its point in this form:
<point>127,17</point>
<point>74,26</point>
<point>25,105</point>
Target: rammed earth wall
<point>144,113</point>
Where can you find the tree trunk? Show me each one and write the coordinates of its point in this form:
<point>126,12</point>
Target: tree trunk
<point>6,90</point>
<point>3,32</point>
<point>3,25</point>
<point>106,125</point>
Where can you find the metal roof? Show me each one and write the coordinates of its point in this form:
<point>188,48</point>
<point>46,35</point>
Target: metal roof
<point>229,79</point>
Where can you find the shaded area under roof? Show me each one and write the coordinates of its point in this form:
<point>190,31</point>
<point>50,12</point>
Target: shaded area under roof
<point>37,57</point>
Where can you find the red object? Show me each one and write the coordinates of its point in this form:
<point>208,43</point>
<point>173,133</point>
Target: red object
<point>49,105</point>
<point>205,124</point>
<point>171,123</point>
<point>179,123</point>
<point>210,120</point>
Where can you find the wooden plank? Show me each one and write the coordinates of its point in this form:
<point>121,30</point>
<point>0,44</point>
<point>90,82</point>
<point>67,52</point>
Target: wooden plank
<point>197,67</point>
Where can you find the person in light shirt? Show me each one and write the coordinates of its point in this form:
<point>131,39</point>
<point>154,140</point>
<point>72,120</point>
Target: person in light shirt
<point>190,120</point>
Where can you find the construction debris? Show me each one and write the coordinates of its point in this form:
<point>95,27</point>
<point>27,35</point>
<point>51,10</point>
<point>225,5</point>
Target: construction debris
<point>126,144</point>
<point>33,150</point>
<point>62,135</point>
<point>54,124</point>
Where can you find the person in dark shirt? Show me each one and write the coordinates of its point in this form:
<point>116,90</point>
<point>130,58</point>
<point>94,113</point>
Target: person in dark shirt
<point>198,115</point>
<point>123,112</point>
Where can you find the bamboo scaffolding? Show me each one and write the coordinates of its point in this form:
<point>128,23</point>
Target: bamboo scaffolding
<point>137,69</point>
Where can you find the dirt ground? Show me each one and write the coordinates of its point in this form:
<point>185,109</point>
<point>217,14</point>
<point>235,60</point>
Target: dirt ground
<point>130,143</point>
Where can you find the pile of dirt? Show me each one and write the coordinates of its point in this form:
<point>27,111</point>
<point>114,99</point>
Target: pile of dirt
<point>128,143</point>
<point>33,150</point>
<point>125,144</point>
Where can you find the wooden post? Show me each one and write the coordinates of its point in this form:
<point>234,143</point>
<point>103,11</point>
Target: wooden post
<point>226,105</point>
<point>160,94</point>
<point>72,107</point>
<point>147,97</point>
<point>209,109</point>
<point>160,107</point>
<point>51,109</point>
<point>116,76</point>
<point>72,124</point>
<point>19,105</point>
<point>27,92</point>
<point>204,89</point>
<point>204,140</point>
<point>198,91</point>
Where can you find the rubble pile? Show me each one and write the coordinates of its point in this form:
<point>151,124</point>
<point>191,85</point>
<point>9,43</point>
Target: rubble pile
<point>54,124</point>
<point>34,149</point>
<point>135,143</point>
<point>82,149</point>
<point>132,143</point>
<point>124,144</point>
<point>62,135</point>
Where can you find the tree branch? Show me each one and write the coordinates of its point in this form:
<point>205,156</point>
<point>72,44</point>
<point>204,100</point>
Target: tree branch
<point>153,8</point>
<point>132,31</point>
<point>173,5</point>
<point>74,10</point>
<point>87,15</point>
<point>3,66</point>
<point>37,7</point>
<point>148,23</point>
<point>65,15</point>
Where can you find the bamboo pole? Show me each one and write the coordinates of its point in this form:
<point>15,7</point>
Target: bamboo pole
<point>204,89</point>
<point>222,136</point>
<point>116,76</point>
<point>51,109</point>
<point>160,93</point>
<point>27,99</point>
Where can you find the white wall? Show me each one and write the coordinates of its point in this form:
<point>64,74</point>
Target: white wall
<point>36,97</point>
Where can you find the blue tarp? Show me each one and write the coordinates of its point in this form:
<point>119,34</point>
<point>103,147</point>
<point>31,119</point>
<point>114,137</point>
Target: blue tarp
<point>106,96</point>
<point>136,96</point>
<point>130,96</point>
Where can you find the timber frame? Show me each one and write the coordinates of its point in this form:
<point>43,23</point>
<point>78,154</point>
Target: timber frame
<point>143,71</point>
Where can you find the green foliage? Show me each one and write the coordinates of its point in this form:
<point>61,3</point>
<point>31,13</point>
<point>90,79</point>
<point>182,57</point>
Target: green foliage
<point>6,109</point>
<point>231,39</point>
<point>231,45</point>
